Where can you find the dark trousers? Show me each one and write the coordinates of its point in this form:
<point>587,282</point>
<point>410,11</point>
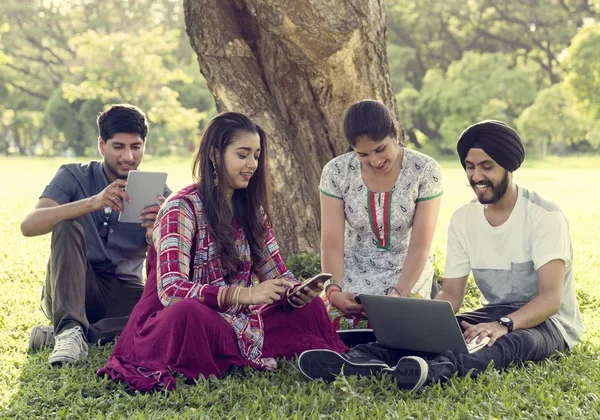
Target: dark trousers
<point>531,344</point>
<point>75,295</point>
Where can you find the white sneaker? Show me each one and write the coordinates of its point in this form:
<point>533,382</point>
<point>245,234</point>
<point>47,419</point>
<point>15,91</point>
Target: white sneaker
<point>69,346</point>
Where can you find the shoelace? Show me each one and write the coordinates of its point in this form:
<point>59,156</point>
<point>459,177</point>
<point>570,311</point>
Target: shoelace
<point>67,340</point>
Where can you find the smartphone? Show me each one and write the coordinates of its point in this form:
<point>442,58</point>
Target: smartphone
<point>312,283</point>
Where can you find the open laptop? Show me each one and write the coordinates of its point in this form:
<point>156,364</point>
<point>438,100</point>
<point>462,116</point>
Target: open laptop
<point>416,324</point>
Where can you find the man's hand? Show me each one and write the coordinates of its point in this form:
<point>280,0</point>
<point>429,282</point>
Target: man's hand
<point>345,302</point>
<point>493,330</point>
<point>112,196</point>
<point>148,216</point>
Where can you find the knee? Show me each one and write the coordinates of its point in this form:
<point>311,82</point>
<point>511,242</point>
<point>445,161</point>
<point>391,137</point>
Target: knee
<point>67,229</point>
<point>186,307</point>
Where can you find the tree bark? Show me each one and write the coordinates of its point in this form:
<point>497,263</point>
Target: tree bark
<point>293,66</point>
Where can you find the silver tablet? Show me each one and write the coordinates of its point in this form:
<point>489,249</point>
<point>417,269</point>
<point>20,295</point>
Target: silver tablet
<point>143,189</point>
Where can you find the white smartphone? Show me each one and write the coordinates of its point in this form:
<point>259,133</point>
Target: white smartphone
<point>143,189</point>
<point>312,283</point>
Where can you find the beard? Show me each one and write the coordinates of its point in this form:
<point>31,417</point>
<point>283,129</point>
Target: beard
<point>113,170</point>
<point>497,191</point>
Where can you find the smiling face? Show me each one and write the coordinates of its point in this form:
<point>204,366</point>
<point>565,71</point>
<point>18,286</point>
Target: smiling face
<point>489,180</point>
<point>122,153</point>
<point>377,156</point>
<point>240,159</point>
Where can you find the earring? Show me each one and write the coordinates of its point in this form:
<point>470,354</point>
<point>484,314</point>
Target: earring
<point>215,175</point>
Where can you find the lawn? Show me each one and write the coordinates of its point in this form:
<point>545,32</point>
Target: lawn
<point>566,386</point>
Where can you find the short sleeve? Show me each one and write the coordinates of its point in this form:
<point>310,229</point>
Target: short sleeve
<point>457,257</point>
<point>62,188</point>
<point>331,179</point>
<point>551,240</point>
<point>430,185</point>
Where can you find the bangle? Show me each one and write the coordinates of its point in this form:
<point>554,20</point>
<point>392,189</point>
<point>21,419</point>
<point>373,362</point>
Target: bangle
<point>389,290</point>
<point>250,295</point>
<point>148,240</point>
<point>236,295</point>
<point>220,297</point>
<point>332,288</point>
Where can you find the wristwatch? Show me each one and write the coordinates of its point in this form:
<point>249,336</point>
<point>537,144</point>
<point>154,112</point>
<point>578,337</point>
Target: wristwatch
<point>507,322</point>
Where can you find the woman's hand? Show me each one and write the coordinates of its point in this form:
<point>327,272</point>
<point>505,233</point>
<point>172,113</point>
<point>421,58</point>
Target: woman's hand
<point>305,295</point>
<point>268,291</point>
<point>345,302</point>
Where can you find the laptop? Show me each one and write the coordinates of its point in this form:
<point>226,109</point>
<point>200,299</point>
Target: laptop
<point>416,324</point>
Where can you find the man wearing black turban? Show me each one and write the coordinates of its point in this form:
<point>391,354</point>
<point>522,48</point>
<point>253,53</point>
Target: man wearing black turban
<point>498,140</point>
<point>518,247</point>
<point>490,151</point>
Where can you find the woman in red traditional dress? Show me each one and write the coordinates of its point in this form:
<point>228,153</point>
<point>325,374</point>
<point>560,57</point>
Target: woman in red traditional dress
<point>217,295</point>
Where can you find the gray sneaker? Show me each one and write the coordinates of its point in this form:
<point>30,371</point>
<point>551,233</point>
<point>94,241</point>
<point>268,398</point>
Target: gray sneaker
<point>42,336</point>
<point>69,346</point>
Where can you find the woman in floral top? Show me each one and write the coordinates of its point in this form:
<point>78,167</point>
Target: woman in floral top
<point>201,312</point>
<point>379,208</point>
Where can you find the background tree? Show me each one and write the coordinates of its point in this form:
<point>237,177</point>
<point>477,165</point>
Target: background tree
<point>583,80</point>
<point>68,60</point>
<point>551,122</point>
<point>294,66</point>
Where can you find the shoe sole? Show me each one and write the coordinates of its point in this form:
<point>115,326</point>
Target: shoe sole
<point>327,365</point>
<point>399,374</point>
<point>64,360</point>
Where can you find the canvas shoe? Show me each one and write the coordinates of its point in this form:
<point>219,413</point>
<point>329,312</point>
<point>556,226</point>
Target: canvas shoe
<point>327,364</point>
<point>410,373</point>
<point>69,346</point>
<point>42,336</point>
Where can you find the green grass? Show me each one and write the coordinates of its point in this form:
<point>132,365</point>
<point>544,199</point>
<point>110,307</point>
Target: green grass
<point>566,386</point>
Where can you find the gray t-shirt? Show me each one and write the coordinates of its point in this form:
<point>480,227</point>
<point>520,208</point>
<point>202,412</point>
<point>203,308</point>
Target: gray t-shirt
<point>123,249</point>
<point>505,259</point>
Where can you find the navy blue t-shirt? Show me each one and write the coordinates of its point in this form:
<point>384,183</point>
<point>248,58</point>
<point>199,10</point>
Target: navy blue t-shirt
<point>123,250</point>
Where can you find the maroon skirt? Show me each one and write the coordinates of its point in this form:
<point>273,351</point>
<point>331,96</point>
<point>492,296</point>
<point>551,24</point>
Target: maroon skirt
<point>193,340</point>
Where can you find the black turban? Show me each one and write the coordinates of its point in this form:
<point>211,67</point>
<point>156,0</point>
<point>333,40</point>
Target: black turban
<point>497,139</point>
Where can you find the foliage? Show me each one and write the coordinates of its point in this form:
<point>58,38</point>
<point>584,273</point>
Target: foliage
<point>69,60</point>
<point>583,79</point>
<point>551,120</point>
<point>427,37</point>
<point>304,265</point>
<point>563,387</point>
<point>56,56</point>
<point>479,86</point>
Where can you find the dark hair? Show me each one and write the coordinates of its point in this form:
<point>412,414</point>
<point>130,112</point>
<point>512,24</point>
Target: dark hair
<point>371,119</point>
<point>249,204</point>
<point>122,118</point>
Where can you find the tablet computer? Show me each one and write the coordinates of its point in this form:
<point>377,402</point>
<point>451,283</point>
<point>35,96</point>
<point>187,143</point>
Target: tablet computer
<point>143,188</point>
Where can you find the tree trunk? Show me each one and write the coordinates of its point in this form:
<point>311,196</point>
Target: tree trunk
<point>293,66</point>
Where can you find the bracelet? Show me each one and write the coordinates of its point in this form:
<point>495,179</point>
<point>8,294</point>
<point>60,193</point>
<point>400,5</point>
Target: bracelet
<point>250,295</point>
<point>147,240</point>
<point>220,297</point>
<point>389,289</point>
<point>237,295</point>
<point>332,288</point>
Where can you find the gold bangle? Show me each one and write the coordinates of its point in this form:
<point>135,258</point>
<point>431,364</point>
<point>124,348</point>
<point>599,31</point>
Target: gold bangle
<point>250,295</point>
<point>219,296</point>
<point>236,295</point>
